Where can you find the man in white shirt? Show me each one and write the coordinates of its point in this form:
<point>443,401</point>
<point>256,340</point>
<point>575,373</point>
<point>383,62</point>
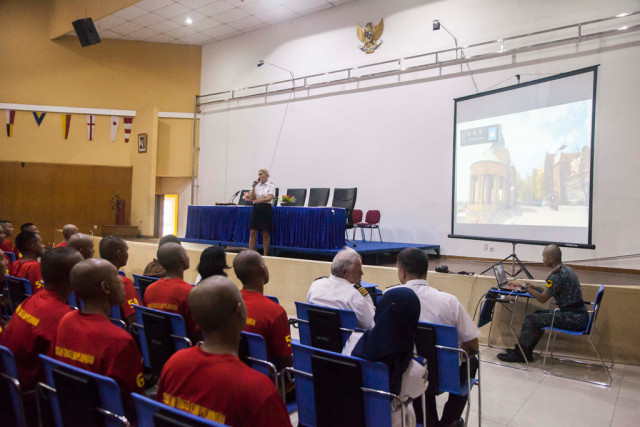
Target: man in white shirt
<point>445,309</point>
<point>343,290</point>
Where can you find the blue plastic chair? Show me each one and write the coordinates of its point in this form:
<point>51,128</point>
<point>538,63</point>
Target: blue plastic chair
<point>348,322</point>
<point>375,386</point>
<point>178,332</point>
<point>115,314</point>
<point>141,282</point>
<point>12,256</point>
<point>111,406</point>
<point>9,376</point>
<point>373,291</point>
<point>274,299</point>
<point>17,290</point>
<point>257,357</point>
<point>149,410</point>
<point>591,326</point>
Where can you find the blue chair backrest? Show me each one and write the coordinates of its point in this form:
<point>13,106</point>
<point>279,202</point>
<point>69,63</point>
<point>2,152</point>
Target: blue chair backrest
<point>11,256</point>
<point>74,301</point>
<point>272,298</point>
<point>373,291</point>
<point>110,397</point>
<point>141,282</point>
<point>146,409</point>
<point>8,368</point>
<point>348,320</point>
<point>595,308</point>
<point>448,359</point>
<point>178,328</point>
<point>257,348</point>
<point>375,376</point>
<point>18,289</point>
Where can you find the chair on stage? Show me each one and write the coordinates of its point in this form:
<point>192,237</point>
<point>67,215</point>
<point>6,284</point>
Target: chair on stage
<point>439,345</point>
<point>300,194</point>
<point>17,290</point>
<point>318,197</point>
<point>160,335</point>
<point>153,413</point>
<point>371,221</point>
<point>141,283</point>
<point>325,327</point>
<point>591,326</point>
<point>345,198</point>
<point>356,217</point>
<point>242,201</point>
<point>274,201</point>
<point>11,403</point>
<point>80,397</point>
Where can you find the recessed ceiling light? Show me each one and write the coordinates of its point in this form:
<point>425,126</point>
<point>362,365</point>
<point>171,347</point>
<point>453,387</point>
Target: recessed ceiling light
<point>189,21</point>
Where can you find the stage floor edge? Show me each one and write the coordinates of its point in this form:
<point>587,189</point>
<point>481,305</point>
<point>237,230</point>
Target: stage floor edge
<point>363,248</point>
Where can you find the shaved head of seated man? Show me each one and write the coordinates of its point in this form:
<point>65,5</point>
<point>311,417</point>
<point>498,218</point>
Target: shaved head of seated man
<point>154,268</point>
<point>115,250</point>
<point>7,246</point>
<point>68,230</point>
<point>343,290</point>
<point>32,328</point>
<point>30,227</point>
<point>209,376</point>
<point>87,339</point>
<point>264,317</point>
<point>171,293</point>
<point>28,267</point>
<point>83,243</point>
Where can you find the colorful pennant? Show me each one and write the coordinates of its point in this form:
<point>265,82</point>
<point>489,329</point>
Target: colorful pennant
<point>128,121</point>
<point>11,115</point>
<point>115,121</point>
<point>91,124</point>
<point>39,117</point>
<point>66,124</point>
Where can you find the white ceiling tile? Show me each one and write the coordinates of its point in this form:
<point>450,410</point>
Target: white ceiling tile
<point>109,22</point>
<point>164,26</point>
<point>205,24</point>
<point>197,39</point>
<point>301,5</point>
<point>130,12</point>
<point>181,32</point>
<point>238,3</point>
<point>127,28</point>
<point>276,15</point>
<point>220,31</point>
<point>194,4</point>
<point>215,8</point>
<point>230,16</point>
<point>314,10</point>
<point>152,5</point>
<point>259,6</point>
<point>339,2</point>
<point>161,38</point>
<point>249,22</point>
<point>195,17</point>
<point>108,34</point>
<point>143,34</point>
<point>172,10</point>
<point>148,19</point>
<point>226,36</point>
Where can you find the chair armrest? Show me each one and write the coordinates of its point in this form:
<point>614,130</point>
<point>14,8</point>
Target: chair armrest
<point>185,339</point>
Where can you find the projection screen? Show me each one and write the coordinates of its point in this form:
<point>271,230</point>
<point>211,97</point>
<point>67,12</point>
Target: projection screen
<point>523,162</point>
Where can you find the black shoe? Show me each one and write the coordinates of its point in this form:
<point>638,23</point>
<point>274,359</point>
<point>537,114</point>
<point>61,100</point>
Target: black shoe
<point>514,355</point>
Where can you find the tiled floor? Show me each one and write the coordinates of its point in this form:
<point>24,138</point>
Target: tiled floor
<point>511,397</point>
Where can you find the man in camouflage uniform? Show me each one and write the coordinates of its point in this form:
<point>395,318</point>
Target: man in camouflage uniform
<point>563,285</point>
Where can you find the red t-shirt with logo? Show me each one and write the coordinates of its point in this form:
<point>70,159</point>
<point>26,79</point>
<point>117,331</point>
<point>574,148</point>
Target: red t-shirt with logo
<point>130,297</point>
<point>7,246</point>
<point>172,295</point>
<point>30,270</point>
<point>266,318</point>
<point>221,388</point>
<point>61,245</point>
<point>92,342</point>
<point>32,331</point>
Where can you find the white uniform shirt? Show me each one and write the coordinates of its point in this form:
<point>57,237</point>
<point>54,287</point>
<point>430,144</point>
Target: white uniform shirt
<point>262,190</point>
<point>336,292</point>
<point>443,308</point>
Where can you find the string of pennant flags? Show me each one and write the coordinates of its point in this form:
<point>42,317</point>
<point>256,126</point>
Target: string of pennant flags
<point>66,124</point>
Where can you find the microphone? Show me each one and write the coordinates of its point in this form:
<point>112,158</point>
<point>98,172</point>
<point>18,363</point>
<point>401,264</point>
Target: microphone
<point>234,196</point>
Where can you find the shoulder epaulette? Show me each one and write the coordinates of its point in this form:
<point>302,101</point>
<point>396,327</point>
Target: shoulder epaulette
<point>361,289</point>
<point>421,360</point>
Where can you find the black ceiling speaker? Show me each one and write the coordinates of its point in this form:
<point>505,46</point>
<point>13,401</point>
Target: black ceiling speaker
<point>86,31</point>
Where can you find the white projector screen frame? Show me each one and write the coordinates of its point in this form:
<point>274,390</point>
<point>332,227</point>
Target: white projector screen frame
<point>520,156</point>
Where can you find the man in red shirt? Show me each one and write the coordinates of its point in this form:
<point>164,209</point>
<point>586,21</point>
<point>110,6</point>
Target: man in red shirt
<point>67,231</point>
<point>264,317</point>
<point>208,379</point>
<point>6,245</point>
<point>87,339</point>
<point>32,328</point>
<point>83,243</point>
<point>115,250</point>
<point>171,293</point>
<point>28,267</point>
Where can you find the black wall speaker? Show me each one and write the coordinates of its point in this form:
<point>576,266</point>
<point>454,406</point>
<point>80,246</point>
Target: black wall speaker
<point>86,31</point>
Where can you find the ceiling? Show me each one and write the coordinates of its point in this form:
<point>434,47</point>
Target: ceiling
<point>166,21</point>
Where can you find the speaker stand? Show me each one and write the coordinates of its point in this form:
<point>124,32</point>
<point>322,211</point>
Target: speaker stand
<point>514,260</point>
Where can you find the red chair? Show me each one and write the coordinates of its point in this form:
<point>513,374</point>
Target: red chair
<point>371,221</point>
<point>356,217</point>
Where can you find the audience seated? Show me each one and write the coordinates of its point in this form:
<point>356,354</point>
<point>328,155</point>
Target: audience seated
<point>30,227</point>
<point>28,267</point>
<point>171,293</point>
<point>391,341</point>
<point>7,246</point>
<point>213,262</point>
<point>154,268</point>
<point>445,309</point>
<point>264,317</point>
<point>3,237</point>
<point>83,243</point>
<point>343,290</point>
<point>115,250</point>
<point>32,328</point>
<point>68,230</point>
<point>208,379</point>
<point>87,339</point>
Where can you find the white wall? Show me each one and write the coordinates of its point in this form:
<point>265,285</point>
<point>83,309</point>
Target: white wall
<point>394,141</point>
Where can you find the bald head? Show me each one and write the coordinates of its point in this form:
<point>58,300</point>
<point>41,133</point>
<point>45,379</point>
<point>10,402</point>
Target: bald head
<point>56,267</point>
<point>173,257</point>
<point>551,256</point>
<point>217,306</point>
<point>115,250</point>
<point>69,230</point>
<point>83,243</point>
<point>250,269</point>
<point>97,280</point>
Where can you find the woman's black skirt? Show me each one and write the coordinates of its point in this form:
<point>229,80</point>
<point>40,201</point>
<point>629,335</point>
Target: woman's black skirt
<point>261,216</point>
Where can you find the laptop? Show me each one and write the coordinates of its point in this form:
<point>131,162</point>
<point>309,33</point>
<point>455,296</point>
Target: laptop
<point>501,278</point>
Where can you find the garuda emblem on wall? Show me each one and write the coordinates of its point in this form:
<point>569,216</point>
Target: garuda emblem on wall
<point>369,36</point>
